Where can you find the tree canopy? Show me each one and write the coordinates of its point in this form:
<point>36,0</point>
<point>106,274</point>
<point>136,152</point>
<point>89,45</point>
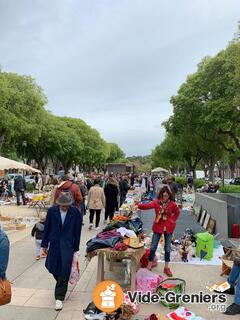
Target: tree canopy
<point>28,130</point>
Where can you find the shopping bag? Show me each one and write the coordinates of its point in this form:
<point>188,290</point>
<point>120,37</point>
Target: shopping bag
<point>147,280</point>
<point>175,285</point>
<point>144,260</point>
<point>75,272</point>
<point>5,292</point>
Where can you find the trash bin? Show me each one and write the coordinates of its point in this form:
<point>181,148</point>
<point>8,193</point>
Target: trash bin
<point>205,245</point>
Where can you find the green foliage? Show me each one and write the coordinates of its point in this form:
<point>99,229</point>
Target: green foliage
<point>199,183</point>
<point>230,189</point>
<point>65,141</point>
<point>30,187</point>
<point>205,126</point>
<point>181,180</point>
<point>115,153</point>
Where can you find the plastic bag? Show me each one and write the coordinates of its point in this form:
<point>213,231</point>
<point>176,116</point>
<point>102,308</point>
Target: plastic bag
<point>147,280</point>
<point>75,272</point>
<point>144,260</point>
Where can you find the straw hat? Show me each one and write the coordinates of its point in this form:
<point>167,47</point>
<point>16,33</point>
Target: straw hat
<point>133,242</point>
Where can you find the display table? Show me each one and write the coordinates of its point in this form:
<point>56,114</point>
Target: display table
<point>133,254</point>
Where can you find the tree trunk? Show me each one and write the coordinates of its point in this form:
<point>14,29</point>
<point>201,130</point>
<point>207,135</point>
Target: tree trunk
<point>232,169</point>
<point>211,171</point>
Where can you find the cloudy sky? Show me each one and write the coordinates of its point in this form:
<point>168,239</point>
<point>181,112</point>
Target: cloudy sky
<point>114,63</point>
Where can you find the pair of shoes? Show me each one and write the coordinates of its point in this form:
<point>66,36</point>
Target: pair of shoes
<point>90,226</point>
<point>233,309</point>
<point>97,228</point>
<point>230,291</point>
<point>37,257</point>
<point>168,272</point>
<point>59,305</point>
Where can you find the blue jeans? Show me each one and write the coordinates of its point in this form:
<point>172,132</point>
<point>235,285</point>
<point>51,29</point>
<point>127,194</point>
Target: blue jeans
<point>167,247</point>
<point>234,279</point>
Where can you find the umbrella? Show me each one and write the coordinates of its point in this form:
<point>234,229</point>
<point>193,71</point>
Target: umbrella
<point>159,169</point>
<point>6,164</point>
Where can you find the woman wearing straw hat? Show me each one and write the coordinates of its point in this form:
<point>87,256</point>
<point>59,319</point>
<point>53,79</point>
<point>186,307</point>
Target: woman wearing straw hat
<point>62,235</point>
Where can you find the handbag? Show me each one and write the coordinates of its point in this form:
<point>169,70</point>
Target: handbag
<point>175,285</point>
<point>5,292</point>
<point>75,272</point>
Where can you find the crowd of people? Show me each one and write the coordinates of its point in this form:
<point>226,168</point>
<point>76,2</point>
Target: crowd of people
<point>57,234</point>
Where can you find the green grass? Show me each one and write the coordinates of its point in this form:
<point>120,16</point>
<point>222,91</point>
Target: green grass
<point>230,189</point>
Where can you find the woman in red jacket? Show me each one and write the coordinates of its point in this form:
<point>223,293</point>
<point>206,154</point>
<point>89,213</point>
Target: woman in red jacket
<point>167,213</point>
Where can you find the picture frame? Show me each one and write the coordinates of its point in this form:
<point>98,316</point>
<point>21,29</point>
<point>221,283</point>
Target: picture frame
<point>197,212</point>
<point>206,220</point>
<point>202,217</point>
<point>211,225</point>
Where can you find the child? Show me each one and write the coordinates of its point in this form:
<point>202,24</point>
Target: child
<point>37,232</point>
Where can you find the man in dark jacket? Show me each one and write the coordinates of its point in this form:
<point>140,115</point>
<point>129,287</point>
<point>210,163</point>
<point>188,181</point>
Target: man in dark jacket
<point>123,189</point>
<point>62,234</point>
<point>4,253</point>
<point>19,188</point>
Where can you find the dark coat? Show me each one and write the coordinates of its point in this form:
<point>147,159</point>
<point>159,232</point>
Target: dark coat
<point>123,187</point>
<point>63,241</point>
<point>19,183</point>
<point>111,194</point>
<point>4,253</point>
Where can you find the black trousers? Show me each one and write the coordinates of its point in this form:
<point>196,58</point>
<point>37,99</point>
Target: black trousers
<point>18,194</point>
<point>60,288</point>
<point>92,213</point>
<point>109,212</point>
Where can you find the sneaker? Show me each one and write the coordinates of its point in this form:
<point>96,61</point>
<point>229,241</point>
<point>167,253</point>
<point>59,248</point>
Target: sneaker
<point>59,305</point>
<point>97,228</point>
<point>37,257</point>
<point>168,272</point>
<point>90,226</point>
<point>233,309</point>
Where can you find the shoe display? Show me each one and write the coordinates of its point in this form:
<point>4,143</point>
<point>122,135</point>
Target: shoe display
<point>59,305</point>
<point>233,309</point>
<point>168,272</point>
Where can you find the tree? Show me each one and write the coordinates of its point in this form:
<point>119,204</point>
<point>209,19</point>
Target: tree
<point>21,101</point>
<point>115,153</point>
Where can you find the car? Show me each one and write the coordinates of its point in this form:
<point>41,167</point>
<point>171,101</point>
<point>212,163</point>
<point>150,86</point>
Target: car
<point>11,176</point>
<point>30,179</point>
<point>235,181</point>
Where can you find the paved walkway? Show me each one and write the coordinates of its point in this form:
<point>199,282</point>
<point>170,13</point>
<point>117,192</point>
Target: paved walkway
<point>33,286</point>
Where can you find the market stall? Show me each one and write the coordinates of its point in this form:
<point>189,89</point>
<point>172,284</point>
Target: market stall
<point>7,164</point>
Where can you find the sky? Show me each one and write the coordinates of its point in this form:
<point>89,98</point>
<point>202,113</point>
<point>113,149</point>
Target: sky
<point>114,63</point>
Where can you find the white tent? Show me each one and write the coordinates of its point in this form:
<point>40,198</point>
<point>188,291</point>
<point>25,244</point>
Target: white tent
<point>159,170</point>
<point>6,164</point>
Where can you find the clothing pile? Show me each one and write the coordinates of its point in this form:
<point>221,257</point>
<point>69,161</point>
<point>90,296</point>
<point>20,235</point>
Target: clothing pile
<point>118,235</point>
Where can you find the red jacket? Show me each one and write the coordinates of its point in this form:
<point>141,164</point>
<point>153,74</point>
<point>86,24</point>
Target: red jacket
<point>73,188</point>
<point>173,213</point>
